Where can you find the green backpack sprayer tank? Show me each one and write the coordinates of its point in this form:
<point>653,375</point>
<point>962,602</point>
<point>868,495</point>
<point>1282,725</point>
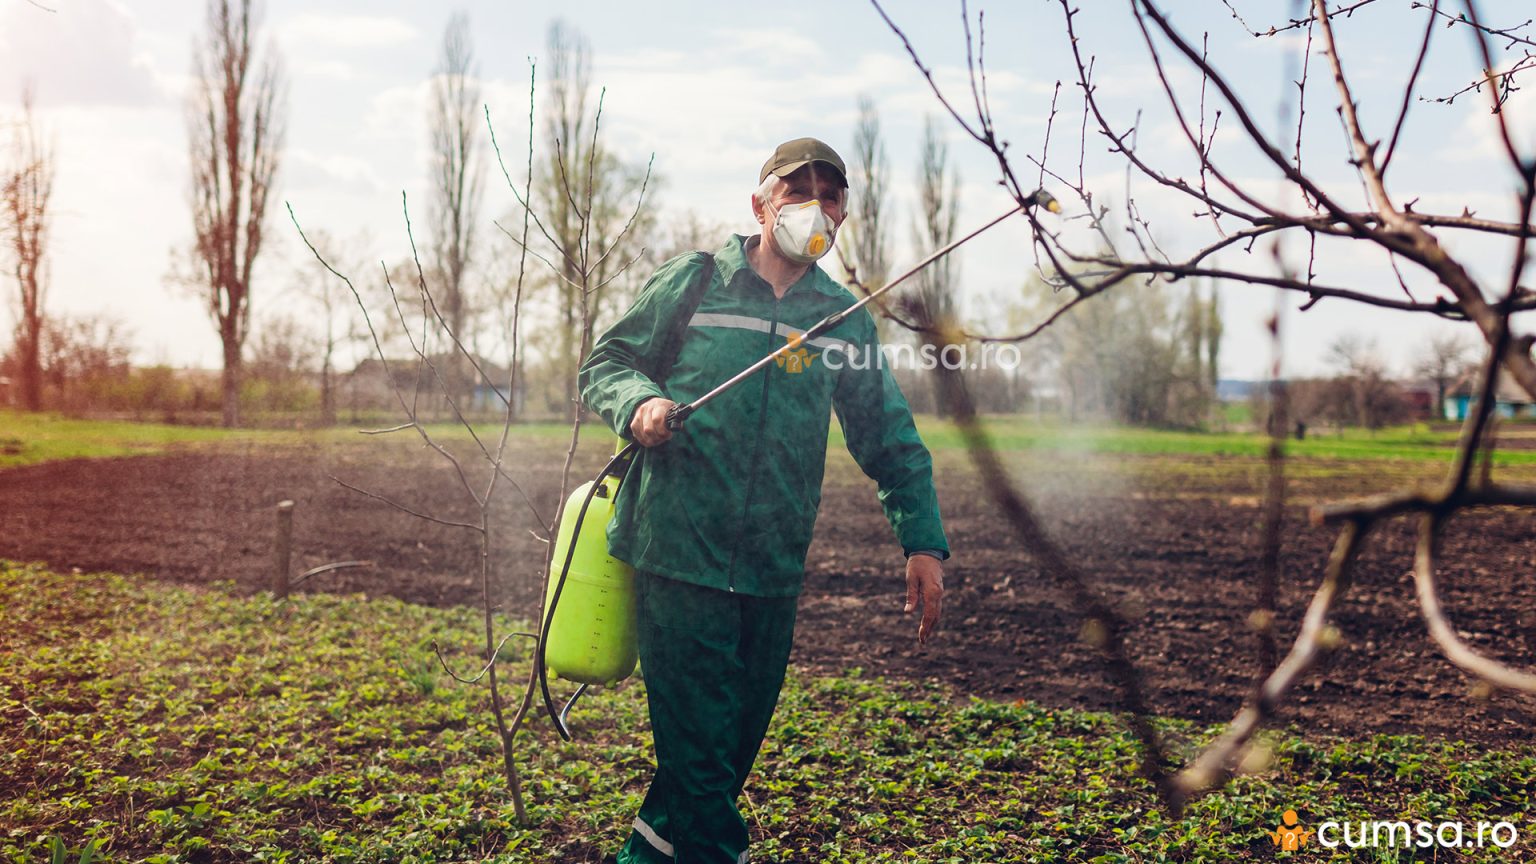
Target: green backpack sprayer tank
<point>589,633</point>
<point>589,629</point>
<point>592,629</point>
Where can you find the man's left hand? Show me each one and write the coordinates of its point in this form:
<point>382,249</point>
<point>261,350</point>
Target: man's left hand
<point>925,587</point>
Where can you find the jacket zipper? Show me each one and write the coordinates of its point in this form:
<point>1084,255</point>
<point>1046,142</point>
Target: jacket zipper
<point>757,451</point>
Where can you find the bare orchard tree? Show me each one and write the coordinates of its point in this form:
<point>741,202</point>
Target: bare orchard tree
<point>458,171</point>
<point>235,127</point>
<point>1377,217</point>
<point>484,474</point>
<point>583,194</point>
<point>26,186</point>
<point>336,327</point>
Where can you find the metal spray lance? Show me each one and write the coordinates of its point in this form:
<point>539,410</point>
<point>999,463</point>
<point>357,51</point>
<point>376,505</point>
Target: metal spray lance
<point>679,413</point>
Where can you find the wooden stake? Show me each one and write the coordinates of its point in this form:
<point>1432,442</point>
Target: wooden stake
<point>284,549</point>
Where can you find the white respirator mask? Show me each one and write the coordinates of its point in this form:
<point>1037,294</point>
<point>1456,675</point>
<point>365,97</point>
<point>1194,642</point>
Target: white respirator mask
<point>802,231</point>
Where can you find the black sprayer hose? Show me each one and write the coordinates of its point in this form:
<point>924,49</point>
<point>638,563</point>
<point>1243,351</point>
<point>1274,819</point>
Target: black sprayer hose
<point>557,717</point>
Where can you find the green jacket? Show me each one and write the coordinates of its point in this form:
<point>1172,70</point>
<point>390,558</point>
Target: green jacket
<point>730,501</point>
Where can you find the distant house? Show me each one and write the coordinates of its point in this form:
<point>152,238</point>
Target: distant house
<point>1420,396</point>
<point>1510,400</point>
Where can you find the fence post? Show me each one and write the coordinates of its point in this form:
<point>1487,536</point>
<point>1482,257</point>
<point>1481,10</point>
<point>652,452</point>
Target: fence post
<point>284,549</point>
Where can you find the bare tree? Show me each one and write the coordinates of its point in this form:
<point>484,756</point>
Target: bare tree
<point>486,471</point>
<point>689,232</point>
<point>583,195</point>
<point>566,130</point>
<point>1445,358</point>
<point>1234,213</point>
<point>25,189</point>
<point>1369,397</point>
<point>235,135</point>
<point>81,356</point>
<point>870,199</point>
<point>335,328</point>
<point>937,218</point>
<point>458,169</point>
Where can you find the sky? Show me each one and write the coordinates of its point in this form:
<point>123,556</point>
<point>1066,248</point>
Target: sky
<point>708,89</point>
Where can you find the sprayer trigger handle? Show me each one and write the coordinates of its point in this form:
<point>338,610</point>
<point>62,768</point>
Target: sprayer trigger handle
<point>677,415</point>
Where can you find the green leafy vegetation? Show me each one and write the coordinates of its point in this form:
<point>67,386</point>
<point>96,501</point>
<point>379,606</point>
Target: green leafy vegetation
<point>156,723</point>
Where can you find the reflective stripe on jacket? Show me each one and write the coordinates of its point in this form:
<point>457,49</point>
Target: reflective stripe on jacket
<point>730,501</point>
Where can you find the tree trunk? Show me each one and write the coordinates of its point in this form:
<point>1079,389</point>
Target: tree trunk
<point>231,383</point>
<point>327,394</point>
<point>31,369</point>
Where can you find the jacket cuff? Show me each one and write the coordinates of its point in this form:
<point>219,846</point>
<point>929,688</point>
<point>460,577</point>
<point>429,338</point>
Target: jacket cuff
<point>932,553</point>
<point>923,534</point>
<point>639,392</point>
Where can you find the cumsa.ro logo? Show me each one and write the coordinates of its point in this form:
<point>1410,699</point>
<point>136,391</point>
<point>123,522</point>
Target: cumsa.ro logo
<point>1392,834</point>
<point>1290,836</point>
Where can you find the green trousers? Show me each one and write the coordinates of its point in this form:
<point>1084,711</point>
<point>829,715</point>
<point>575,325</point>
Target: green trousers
<point>713,663</point>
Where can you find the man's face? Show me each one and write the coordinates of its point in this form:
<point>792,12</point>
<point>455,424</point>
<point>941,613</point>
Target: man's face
<point>813,181</point>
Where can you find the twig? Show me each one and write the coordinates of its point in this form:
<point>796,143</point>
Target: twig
<point>1418,66</point>
<point>402,508</point>
<point>1218,762</point>
<point>327,568</point>
<point>1296,23</point>
<point>483,669</point>
<point>1440,629</point>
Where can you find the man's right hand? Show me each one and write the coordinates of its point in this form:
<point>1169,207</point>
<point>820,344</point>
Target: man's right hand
<point>649,425</point>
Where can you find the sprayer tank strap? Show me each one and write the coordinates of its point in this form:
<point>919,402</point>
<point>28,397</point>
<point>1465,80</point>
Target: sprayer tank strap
<point>685,314</point>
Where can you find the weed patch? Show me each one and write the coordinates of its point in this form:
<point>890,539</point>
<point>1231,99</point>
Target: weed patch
<point>162,724</point>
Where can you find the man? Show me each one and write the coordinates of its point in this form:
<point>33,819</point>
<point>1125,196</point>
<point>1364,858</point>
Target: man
<point>716,518</point>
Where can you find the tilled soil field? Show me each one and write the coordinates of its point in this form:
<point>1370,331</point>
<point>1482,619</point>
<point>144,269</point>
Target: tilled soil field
<point>1181,564</point>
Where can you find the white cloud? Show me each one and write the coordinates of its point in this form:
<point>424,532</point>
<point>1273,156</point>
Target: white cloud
<point>336,172</point>
<point>758,45</point>
<point>75,56</point>
<point>336,70</point>
<point>327,33</point>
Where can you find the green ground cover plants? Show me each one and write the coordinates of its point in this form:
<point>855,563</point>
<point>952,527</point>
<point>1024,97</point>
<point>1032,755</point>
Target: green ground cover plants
<point>157,723</point>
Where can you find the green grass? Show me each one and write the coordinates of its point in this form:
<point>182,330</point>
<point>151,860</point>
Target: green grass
<point>1416,442</point>
<point>28,439</point>
<point>169,724</point>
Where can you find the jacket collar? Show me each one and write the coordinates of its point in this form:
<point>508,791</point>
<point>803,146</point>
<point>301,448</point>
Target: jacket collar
<point>733,257</point>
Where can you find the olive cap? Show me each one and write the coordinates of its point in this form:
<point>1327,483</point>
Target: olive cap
<point>791,155</point>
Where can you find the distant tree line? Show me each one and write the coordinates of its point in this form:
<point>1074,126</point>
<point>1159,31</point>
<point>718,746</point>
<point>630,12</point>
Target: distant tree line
<point>1151,358</point>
